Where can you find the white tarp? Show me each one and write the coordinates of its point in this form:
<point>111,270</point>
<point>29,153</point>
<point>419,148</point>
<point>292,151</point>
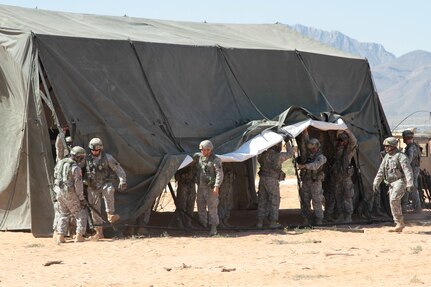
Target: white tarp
<point>267,139</point>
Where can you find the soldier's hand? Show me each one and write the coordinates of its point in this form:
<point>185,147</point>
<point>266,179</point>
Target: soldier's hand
<point>376,188</point>
<point>216,190</point>
<point>122,185</point>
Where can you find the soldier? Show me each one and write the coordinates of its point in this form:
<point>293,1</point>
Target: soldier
<point>341,172</point>
<point>210,178</point>
<point>270,174</point>
<point>226,195</point>
<point>186,190</point>
<point>413,152</point>
<point>312,176</point>
<point>101,169</point>
<point>70,195</point>
<point>395,171</point>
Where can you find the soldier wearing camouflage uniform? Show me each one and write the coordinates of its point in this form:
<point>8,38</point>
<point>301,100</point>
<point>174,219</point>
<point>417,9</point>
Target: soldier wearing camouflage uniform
<point>226,195</point>
<point>101,171</point>
<point>312,176</point>
<point>413,152</point>
<point>210,178</point>
<point>396,171</point>
<point>341,172</point>
<point>270,174</point>
<point>186,190</point>
<point>70,195</point>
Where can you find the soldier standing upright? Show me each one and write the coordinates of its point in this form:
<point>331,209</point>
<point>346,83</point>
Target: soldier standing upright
<point>210,178</point>
<point>101,169</point>
<point>312,176</point>
<point>270,174</point>
<point>226,195</point>
<point>186,190</point>
<point>396,171</point>
<point>413,152</point>
<point>70,195</point>
<point>341,172</point>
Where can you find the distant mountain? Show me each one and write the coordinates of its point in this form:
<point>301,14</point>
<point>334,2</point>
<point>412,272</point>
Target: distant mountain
<point>375,53</point>
<point>403,84</point>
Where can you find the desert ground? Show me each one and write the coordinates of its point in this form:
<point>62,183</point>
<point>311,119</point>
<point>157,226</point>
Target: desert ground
<point>359,254</point>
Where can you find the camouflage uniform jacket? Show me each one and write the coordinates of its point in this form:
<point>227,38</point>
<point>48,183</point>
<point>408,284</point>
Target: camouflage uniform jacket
<point>393,168</point>
<point>68,177</point>
<point>340,164</point>
<point>209,170</point>
<point>314,167</point>
<point>413,152</point>
<point>270,162</point>
<point>103,169</point>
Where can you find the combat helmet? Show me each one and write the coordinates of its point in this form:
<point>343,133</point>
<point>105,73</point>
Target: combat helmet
<point>313,142</point>
<point>77,152</point>
<point>206,144</point>
<point>390,141</point>
<point>95,144</point>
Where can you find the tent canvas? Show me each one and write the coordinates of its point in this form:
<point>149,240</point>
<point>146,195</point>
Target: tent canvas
<point>152,90</point>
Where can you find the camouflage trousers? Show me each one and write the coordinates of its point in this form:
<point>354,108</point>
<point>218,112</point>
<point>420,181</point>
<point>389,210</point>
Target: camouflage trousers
<point>95,200</point>
<point>186,196</point>
<point>55,206</point>
<point>207,198</point>
<point>343,191</point>
<point>311,192</point>
<point>70,205</point>
<point>269,198</point>
<point>397,189</point>
<point>413,195</point>
<point>225,201</point>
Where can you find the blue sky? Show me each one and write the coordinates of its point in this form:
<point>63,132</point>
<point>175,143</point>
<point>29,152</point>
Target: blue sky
<point>400,26</point>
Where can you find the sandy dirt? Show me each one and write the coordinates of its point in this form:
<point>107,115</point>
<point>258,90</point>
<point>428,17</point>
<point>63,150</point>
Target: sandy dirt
<point>368,255</point>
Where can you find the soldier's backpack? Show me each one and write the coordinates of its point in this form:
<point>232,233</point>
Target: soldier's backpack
<point>62,170</point>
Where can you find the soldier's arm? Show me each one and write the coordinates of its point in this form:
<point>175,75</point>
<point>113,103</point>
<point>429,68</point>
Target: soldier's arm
<point>77,178</point>
<point>380,173</point>
<point>59,148</point>
<point>287,154</point>
<point>116,167</point>
<point>219,172</point>
<point>315,165</point>
<point>353,144</point>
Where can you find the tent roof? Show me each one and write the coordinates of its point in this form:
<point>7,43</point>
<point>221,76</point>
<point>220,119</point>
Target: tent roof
<point>258,36</point>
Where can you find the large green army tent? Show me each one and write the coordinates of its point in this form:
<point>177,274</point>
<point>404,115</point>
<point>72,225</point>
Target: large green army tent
<point>152,90</point>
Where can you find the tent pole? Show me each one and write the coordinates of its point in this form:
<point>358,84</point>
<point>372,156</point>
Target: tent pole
<point>48,100</point>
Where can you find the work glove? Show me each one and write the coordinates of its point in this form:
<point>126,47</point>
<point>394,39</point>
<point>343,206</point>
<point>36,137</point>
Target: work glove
<point>122,185</point>
<point>410,188</point>
<point>376,188</point>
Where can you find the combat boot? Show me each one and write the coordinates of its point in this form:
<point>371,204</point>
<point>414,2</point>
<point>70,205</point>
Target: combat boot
<point>399,227</point>
<point>79,238</point>
<point>98,235</point>
<point>213,230</point>
<point>259,223</point>
<point>60,239</point>
<point>274,224</point>
<point>112,218</point>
